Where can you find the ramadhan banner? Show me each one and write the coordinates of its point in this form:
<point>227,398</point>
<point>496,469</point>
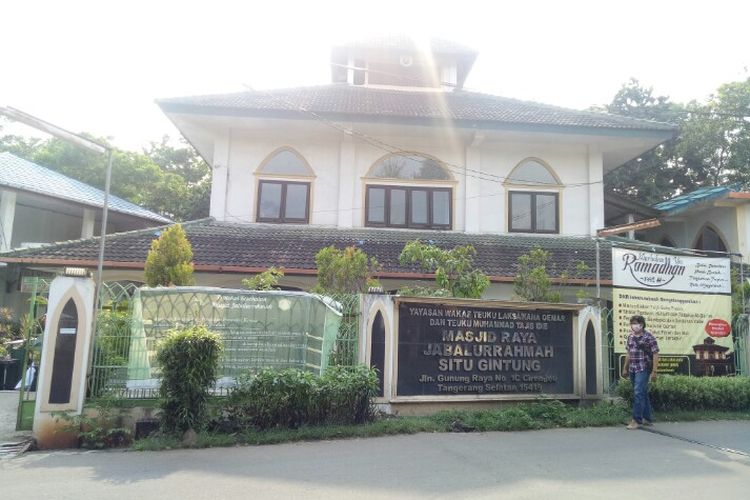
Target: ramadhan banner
<point>687,305</point>
<point>675,273</point>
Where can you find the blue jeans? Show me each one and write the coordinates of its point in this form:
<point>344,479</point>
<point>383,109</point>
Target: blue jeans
<point>641,403</point>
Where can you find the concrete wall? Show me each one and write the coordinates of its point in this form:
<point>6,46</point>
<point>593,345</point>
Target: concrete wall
<point>685,231</point>
<point>33,225</point>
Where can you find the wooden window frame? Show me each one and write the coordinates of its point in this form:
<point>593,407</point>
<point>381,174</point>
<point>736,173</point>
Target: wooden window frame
<point>282,219</point>
<point>409,189</point>
<point>533,228</point>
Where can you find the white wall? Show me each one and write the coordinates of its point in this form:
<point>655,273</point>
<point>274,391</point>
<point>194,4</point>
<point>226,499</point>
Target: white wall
<point>684,231</point>
<point>33,225</point>
<point>337,197</point>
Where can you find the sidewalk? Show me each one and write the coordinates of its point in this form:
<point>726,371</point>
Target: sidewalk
<point>8,413</point>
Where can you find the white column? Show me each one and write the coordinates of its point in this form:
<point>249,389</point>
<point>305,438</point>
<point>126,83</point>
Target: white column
<point>743,232</point>
<point>472,185</point>
<point>7,215</point>
<point>596,190</point>
<point>631,219</point>
<point>347,184</point>
<point>87,227</point>
<point>220,178</point>
<point>74,338</point>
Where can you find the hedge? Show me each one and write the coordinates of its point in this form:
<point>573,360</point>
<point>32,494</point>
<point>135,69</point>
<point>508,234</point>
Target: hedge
<point>680,392</point>
<point>293,398</point>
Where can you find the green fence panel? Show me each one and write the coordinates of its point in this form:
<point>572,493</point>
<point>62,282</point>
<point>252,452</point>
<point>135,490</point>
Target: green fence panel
<point>276,329</point>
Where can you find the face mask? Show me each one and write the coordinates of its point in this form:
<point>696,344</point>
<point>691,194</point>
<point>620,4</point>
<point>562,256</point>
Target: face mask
<point>637,327</point>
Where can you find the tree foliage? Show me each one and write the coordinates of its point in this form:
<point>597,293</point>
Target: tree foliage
<point>533,282</point>
<point>169,262</point>
<point>267,280</point>
<point>345,271</point>
<point>712,147</point>
<point>654,175</point>
<point>454,269</point>
<point>172,181</point>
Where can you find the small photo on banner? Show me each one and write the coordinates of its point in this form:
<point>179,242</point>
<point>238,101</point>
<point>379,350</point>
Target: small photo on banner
<point>687,304</point>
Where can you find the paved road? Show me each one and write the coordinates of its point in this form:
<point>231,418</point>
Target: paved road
<point>562,464</point>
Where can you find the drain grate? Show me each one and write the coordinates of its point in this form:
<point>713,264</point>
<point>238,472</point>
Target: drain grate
<point>11,450</point>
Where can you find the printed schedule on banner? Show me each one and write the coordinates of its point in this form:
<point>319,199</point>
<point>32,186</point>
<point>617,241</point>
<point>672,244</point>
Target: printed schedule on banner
<point>687,304</point>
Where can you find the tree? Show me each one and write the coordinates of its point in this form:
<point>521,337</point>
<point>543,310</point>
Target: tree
<point>533,283</point>
<point>712,148</point>
<point>169,262</point>
<point>651,177</point>
<point>714,145</point>
<point>344,271</point>
<point>185,164</point>
<point>267,280</point>
<point>454,269</point>
<point>173,181</point>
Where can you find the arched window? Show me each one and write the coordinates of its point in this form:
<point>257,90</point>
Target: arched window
<point>709,239</point>
<point>409,167</point>
<point>284,188</point>
<point>425,202</point>
<point>534,172</point>
<point>533,207</point>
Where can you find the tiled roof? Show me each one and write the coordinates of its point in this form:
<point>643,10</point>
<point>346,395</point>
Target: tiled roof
<point>687,200</point>
<point>24,175</point>
<point>358,102</point>
<point>232,247</point>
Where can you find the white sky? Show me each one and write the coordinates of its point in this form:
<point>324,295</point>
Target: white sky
<point>97,66</point>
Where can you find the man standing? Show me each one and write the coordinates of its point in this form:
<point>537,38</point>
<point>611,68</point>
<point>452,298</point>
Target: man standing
<point>641,363</point>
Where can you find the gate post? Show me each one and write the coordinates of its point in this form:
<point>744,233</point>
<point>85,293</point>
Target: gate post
<point>61,385</point>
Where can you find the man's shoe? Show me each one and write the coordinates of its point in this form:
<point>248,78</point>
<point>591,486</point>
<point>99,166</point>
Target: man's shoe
<point>633,425</point>
<point>647,423</point>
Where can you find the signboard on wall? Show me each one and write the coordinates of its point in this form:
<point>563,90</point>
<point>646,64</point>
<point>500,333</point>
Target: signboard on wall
<point>687,305</point>
<point>449,349</point>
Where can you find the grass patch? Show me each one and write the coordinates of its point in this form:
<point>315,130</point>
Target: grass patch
<point>528,416</point>
<point>694,415</point>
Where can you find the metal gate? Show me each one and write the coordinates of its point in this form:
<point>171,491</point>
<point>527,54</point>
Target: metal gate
<point>740,332</point>
<point>33,332</point>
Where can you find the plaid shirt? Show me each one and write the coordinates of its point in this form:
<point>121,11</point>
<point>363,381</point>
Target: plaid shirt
<point>636,354</point>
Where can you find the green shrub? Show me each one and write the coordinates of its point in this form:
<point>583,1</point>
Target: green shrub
<point>267,280</point>
<point>169,262</point>
<point>347,394</point>
<point>293,398</point>
<point>104,430</point>
<point>189,360</point>
<point>111,350</point>
<point>274,398</point>
<point>345,271</point>
<point>454,269</point>
<point>680,392</point>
